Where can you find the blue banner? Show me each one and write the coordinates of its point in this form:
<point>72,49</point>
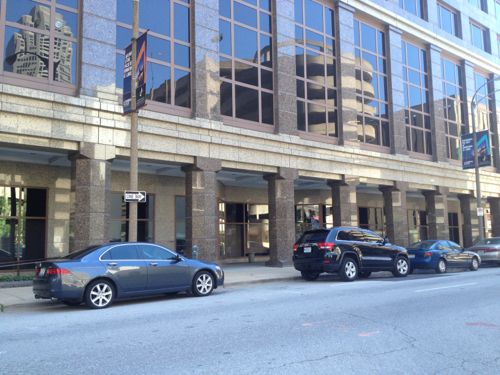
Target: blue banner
<point>140,73</point>
<point>483,149</point>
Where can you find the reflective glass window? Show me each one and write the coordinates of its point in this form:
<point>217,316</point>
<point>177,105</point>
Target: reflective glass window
<point>413,6</point>
<point>479,36</point>
<point>315,67</point>
<point>484,104</point>
<point>119,215</point>
<point>246,60</point>
<point>448,19</point>
<point>168,72</point>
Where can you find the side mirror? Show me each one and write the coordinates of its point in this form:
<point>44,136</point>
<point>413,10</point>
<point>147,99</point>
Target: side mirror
<point>386,240</point>
<point>178,258</point>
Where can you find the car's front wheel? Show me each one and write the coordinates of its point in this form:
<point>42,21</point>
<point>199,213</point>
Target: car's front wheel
<point>474,265</point>
<point>441,267</point>
<point>348,269</point>
<point>99,294</point>
<point>203,284</point>
<point>401,267</point>
<point>309,276</point>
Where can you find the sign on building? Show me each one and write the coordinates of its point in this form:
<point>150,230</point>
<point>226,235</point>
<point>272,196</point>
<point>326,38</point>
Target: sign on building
<point>140,73</point>
<point>483,149</point>
<point>135,196</point>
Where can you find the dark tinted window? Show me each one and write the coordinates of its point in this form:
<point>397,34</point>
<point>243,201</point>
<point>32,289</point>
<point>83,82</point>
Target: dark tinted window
<point>156,252</point>
<point>343,236</point>
<point>454,245</point>
<point>356,235</point>
<point>106,255</point>
<point>314,236</point>
<point>422,245</point>
<point>372,237</point>
<point>125,252</point>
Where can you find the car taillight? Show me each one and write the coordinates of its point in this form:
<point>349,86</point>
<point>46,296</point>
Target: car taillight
<point>57,271</point>
<point>427,254</point>
<point>328,246</point>
<point>295,247</point>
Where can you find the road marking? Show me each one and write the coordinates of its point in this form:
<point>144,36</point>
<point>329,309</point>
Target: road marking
<point>444,287</point>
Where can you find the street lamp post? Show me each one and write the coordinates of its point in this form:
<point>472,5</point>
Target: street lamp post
<point>134,158</point>
<point>476,156</point>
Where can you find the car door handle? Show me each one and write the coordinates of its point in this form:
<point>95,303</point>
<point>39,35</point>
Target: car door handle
<point>154,264</point>
<point>112,264</point>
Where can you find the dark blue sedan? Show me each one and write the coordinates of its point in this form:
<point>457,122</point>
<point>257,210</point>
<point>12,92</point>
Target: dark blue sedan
<point>440,255</point>
<point>100,274</point>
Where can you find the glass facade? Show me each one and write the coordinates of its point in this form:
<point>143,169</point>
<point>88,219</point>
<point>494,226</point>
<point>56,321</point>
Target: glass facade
<point>418,227</point>
<point>416,94</point>
<point>168,77</point>
<point>372,218</point>
<point>453,103</point>
<point>246,60</point>
<point>479,37</point>
<point>448,19</point>
<point>415,7</point>
<point>315,68</point>
<point>480,4</point>
<point>119,215</point>
<point>371,85</point>
<point>41,39</point>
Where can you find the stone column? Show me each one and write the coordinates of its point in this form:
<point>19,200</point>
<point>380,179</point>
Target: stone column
<point>437,213</point>
<point>346,76</point>
<point>344,201</point>
<point>438,129</point>
<point>468,207</point>
<point>285,118</point>
<point>396,95</point>
<point>202,228</point>
<point>206,83</point>
<point>91,184</point>
<point>495,216</point>
<point>281,200</point>
<point>98,39</point>
<point>396,213</point>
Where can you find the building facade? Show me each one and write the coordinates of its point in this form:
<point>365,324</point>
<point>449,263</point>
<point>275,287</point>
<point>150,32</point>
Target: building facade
<point>262,120</point>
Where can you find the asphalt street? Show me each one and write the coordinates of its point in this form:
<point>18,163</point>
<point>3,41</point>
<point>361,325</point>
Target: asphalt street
<point>423,324</point>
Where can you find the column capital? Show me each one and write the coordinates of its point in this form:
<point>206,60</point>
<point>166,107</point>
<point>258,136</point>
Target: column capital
<point>345,181</point>
<point>394,29</point>
<point>95,151</point>
<point>203,164</point>
<point>283,173</point>
<point>345,6</point>
<point>396,186</point>
<point>440,190</point>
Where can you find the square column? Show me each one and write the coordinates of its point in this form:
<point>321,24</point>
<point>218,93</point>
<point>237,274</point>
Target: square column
<point>91,184</point>
<point>470,229</point>
<point>346,73</point>
<point>344,201</point>
<point>285,118</point>
<point>396,95</point>
<point>202,228</point>
<point>281,200</point>
<point>495,216</point>
<point>437,213</point>
<point>206,82</point>
<point>396,213</point>
<point>438,130</point>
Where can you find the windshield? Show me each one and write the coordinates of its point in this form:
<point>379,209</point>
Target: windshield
<point>314,236</point>
<point>426,245</point>
<point>81,253</point>
<point>489,241</point>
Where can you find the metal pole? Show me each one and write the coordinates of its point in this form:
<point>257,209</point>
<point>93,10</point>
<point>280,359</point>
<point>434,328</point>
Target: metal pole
<point>476,169</point>
<point>132,223</point>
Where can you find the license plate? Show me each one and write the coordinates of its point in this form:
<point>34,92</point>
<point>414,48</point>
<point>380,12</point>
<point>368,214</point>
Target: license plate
<point>411,256</point>
<point>307,249</point>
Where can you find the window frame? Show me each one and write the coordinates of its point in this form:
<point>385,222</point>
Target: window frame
<point>38,83</point>
<point>420,12</point>
<point>485,44</point>
<point>456,19</point>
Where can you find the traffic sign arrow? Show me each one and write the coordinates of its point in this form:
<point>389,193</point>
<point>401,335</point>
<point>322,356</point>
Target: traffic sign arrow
<point>135,196</point>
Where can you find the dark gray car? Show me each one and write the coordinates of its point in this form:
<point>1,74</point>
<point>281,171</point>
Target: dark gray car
<point>100,274</point>
<point>488,249</point>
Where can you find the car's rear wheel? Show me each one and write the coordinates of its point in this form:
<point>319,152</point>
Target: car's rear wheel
<point>441,267</point>
<point>474,265</point>
<point>401,267</point>
<point>309,276</point>
<point>364,274</point>
<point>348,269</point>
<point>99,294</point>
<point>71,302</point>
<point>203,284</point>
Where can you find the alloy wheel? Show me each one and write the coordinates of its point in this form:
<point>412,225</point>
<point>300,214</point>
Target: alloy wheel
<point>350,269</point>
<point>402,266</point>
<point>101,294</point>
<point>204,284</point>
<point>475,264</point>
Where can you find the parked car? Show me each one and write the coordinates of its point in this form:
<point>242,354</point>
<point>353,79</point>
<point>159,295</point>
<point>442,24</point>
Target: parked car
<point>488,249</point>
<point>350,252</point>
<point>440,255</point>
<point>100,274</point>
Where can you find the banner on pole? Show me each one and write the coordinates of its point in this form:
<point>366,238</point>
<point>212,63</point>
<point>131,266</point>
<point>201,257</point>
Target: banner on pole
<point>483,149</point>
<point>140,74</point>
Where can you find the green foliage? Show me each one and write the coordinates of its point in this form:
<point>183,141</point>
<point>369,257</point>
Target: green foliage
<point>24,277</point>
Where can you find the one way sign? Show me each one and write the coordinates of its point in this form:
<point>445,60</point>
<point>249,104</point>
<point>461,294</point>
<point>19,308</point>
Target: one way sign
<point>135,196</point>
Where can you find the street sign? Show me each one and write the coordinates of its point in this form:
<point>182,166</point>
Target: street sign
<point>480,211</point>
<point>135,196</point>
<point>483,149</point>
<point>140,74</point>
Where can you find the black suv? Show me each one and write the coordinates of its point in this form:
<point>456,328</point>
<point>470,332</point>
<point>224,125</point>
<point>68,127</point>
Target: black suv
<point>351,252</point>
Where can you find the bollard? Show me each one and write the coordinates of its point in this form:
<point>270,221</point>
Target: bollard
<point>194,252</point>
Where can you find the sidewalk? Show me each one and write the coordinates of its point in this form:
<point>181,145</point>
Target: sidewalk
<point>235,274</point>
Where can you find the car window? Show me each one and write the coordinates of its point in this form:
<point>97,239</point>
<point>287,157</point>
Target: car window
<point>454,245</point>
<point>156,252</point>
<point>425,245</point>
<point>356,235</point>
<point>489,241</point>
<point>343,236</point>
<point>81,253</point>
<point>314,236</point>
<point>443,245</point>
<point>372,237</point>
<point>124,252</point>
<point>106,255</point>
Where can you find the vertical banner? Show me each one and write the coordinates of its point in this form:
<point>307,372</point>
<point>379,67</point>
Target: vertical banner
<point>483,149</point>
<point>140,74</point>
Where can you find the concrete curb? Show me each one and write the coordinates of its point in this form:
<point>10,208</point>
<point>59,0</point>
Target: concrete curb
<point>262,281</point>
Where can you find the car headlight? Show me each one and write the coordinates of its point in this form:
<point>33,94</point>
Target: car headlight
<point>219,271</point>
